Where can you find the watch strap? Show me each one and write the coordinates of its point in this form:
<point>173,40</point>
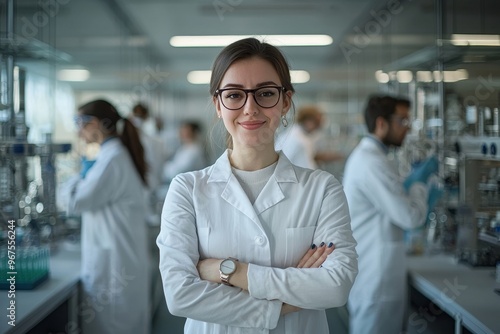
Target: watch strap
<point>225,279</point>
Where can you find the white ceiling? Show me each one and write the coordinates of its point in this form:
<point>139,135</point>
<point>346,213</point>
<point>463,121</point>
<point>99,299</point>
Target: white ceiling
<point>125,43</point>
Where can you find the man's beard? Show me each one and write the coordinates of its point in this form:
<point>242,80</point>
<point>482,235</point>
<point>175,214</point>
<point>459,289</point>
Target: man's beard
<point>391,140</point>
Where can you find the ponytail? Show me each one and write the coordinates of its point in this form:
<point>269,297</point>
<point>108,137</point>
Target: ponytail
<point>130,138</point>
<point>112,124</point>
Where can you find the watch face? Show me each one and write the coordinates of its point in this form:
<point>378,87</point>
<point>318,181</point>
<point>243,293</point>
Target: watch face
<point>227,267</point>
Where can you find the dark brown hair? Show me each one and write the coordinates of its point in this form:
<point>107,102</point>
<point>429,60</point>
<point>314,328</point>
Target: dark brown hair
<point>108,117</point>
<point>140,110</point>
<point>248,48</point>
<point>245,49</point>
<point>382,106</point>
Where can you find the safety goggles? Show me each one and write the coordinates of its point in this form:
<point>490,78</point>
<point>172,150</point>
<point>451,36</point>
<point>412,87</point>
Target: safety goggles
<point>82,120</point>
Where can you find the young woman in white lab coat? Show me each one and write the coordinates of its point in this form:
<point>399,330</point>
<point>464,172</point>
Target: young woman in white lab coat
<point>110,198</point>
<point>253,205</point>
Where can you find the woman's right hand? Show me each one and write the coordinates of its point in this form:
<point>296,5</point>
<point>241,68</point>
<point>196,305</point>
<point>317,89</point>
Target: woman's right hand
<point>287,308</point>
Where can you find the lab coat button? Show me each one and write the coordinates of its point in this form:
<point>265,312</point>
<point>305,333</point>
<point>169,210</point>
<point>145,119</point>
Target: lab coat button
<point>259,240</point>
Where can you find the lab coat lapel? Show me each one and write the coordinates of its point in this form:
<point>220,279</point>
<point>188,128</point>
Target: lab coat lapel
<point>232,192</point>
<point>272,193</point>
<point>269,196</point>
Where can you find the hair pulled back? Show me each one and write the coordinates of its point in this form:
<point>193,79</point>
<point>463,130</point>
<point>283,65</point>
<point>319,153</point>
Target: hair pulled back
<point>109,118</point>
<point>248,48</point>
<point>245,49</point>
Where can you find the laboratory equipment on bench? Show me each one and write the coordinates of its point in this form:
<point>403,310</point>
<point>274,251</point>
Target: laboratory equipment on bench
<point>30,221</point>
<point>478,216</point>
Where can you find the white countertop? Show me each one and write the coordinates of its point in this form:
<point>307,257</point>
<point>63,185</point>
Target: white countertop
<point>464,292</point>
<point>34,305</point>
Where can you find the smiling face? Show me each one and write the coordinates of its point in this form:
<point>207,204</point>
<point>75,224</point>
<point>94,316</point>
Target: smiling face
<point>252,126</point>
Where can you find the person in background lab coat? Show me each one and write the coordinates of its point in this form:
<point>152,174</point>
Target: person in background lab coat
<point>155,152</point>
<point>272,224</point>
<point>300,143</point>
<point>143,120</point>
<point>110,198</point>
<point>381,208</point>
<point>189,156</point>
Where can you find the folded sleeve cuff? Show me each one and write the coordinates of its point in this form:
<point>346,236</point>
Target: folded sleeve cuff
<point>257,289</point>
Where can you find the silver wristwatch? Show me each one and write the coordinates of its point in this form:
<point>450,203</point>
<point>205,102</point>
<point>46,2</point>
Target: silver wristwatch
<point>226,269</point>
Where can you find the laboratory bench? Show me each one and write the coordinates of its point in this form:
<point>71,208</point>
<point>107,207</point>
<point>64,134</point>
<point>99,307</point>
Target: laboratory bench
<point>463,292</point>
<point>52,305</point>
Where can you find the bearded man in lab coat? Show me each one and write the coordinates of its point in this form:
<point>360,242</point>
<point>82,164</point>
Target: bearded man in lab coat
<point>381,208</point>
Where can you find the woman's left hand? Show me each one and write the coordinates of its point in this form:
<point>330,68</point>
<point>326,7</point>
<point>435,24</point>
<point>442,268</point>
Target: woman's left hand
<point>315,256</point>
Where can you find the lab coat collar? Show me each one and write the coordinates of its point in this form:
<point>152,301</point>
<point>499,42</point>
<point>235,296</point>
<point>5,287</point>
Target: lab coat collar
<point>108,139</point>
<point>377,141</point>
<point>221,171</point>
<point>111,144</point>
<point>234,194</point>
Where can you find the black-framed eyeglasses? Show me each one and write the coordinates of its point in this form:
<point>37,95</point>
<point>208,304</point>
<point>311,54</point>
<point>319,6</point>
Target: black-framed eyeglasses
<point>235,98</point>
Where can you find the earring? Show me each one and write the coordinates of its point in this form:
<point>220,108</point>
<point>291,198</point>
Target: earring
<point>218,115</point>
<point>284,121</point>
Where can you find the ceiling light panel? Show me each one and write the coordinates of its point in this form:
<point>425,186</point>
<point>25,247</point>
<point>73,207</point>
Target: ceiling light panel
<point>224,40</point>
<point>203,77</point>
<point>73,75</point>
<point>475,40</point>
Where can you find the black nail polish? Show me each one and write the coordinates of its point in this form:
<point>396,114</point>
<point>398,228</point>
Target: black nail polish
<point>322,244</point>
<point>313,246</point>
<point>330,245</point>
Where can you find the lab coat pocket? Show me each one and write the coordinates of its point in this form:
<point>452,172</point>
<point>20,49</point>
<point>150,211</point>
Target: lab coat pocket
<point>203,241</point>
<point>298,241</point>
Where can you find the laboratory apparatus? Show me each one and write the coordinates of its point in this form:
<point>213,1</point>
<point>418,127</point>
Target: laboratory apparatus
<point>465,138</point>
<point>30,221</point>
<point>478,238</point>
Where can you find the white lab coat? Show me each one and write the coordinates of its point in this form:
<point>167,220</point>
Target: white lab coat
<point>380,211</point>
<point>298,146</point>
<point>155,156</point>
<point>208,215</point>
<point>187,157</point>
<point>115,262</point>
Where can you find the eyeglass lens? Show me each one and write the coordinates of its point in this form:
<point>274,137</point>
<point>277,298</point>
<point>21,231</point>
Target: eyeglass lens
<point>404,122</point>
<point>265,97</point>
